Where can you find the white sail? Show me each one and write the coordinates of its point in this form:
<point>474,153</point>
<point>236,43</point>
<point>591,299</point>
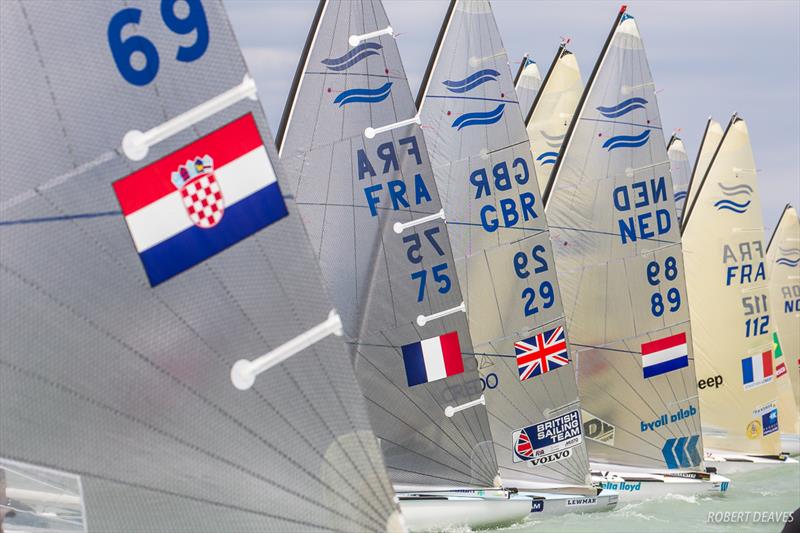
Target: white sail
<point>116,401</point>
<point>551,113</point>
<point>712,135</point>
<point>723,239</point>
<point>483,167</point>
<point>617,246</point>
<point>783,272</point>
<point>681,172</point>
<point>527,83</point>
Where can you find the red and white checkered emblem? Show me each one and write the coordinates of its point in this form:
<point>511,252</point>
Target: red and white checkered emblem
<point>202,198</point>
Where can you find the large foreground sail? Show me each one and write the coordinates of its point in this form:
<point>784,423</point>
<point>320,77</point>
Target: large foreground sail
<point>373,212</point>
<point>527,83</point>
<point>681,172</point>
<point>783,272</point>
<point>552,111</point>
<point>114,383</point>
<point>723,241</point>
<point>712,135</point>
<point>617,245</point>
<point>483,167</point>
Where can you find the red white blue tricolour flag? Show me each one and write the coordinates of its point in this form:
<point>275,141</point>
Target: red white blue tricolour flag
<point>201,199</point>
<point>664,355</point>
<point>432,359</point>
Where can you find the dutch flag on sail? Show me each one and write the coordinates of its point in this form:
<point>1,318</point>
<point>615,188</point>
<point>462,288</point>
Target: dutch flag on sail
<point>664,355</point>
<point>432,359</point>
<point>757,370</point>
<point>201,199</point>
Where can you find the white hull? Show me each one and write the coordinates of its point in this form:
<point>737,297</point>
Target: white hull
<point>543,505</point>
<point>731,462</point>
<point>790,443</point>
<point>633,486</point>
<point>437,511</point>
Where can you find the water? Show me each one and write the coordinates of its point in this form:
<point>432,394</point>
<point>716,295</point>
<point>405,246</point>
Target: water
<point>775,490</point>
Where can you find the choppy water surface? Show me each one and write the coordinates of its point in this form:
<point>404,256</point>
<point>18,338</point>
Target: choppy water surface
<point>773,490</point>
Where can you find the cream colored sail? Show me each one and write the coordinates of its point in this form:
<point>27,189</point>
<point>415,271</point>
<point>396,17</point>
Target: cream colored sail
<point>552,112</point>
<point>711,137</point>
<point>681,172</point>
<point>783,271</point>
<point>727,285</point>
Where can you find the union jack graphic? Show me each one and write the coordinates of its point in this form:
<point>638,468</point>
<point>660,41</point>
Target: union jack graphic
<point>541,353</point>
<point>522,446</point>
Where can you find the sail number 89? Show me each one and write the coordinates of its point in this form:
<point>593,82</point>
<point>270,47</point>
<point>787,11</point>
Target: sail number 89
<point>535,263</point>
<point>670,273</point>
<point>141,50</point>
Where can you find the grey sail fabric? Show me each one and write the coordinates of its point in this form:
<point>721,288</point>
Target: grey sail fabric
<point>681,172</point>
<point>127,385</point>
<point>527,83</point>
<point>617,246</point>
<point>355,193</point>
<point>483,167</point>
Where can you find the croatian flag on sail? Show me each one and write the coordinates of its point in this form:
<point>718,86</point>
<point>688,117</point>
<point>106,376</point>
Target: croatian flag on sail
<point>541,353</point>
<point>757,370</point>
<point>432,359</point>
<point>664,355</point>
<point>201,199</point>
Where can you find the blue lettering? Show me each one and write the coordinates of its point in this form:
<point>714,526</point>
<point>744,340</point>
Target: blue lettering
<point>420,190</point>
<point>481,182</point>
<point>364,166</point>
<point>413,149</point>
<point>502,181</point>
<point>509,209</point>
<point>522,179</point>
<point>488,224</point>
<point>372,198</point>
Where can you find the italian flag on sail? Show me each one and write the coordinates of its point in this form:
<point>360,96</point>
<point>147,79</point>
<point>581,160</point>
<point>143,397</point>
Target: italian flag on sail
<point>780,366</point>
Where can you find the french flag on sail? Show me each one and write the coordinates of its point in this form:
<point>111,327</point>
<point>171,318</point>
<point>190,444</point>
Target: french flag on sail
<point>432,359</point>
<point>664,355</point>
<point>757,370</point>
<point>201,199</point>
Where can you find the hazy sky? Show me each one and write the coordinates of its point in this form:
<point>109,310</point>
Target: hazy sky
<point>707,58</point>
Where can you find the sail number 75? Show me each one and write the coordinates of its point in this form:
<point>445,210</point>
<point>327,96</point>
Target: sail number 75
<point>535,263</point>
<point>438,272</point>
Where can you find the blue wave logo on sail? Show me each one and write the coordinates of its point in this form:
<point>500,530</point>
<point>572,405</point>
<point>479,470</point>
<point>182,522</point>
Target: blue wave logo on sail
<point>680,195</point>
<point>547,158</point>
<point>368,96</point>
<point>627,141</point>
<point>356,55</point>
<point>737,206</point>
<point>786,260</point>
<point>622,108</point>
<point>553,141</point>
<point>479,118</point>
<point>470,82</point>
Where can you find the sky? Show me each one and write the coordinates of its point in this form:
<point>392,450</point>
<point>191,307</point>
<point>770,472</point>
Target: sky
<point>707,58</point>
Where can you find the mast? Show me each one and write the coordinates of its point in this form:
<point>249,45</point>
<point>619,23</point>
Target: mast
<point>504,256</point>
<point>522,66</point>
<point>708,146</point>
<point>617,246</point>
<point>115,368</point>
<point>358,167</point>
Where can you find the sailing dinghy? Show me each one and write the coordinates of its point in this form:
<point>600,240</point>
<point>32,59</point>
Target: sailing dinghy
<point>723,239</point>
<point>552,111</point>
<point>359,170</point>
<point>783,273</point>
<point>483,167</point>
<point>125,302</point>
<point>681,173</point>
<point>617,244</point>
<point>527,83</point>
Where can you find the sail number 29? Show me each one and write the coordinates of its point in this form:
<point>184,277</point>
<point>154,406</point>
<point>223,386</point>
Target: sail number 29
<point>524,264</point>
<point>136,56</point>
<point>670,272</point>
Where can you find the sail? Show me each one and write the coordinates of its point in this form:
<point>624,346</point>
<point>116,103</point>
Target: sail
<point>501,243</point>
<point>372,210</point>
<point>723,240</point>
<point>551,113</point>
<point>681,172</point>
<point>708,145</point>
<point>115,384</point>
<point>617,246</point>
<point>527,83</point>
<point>783,273</point>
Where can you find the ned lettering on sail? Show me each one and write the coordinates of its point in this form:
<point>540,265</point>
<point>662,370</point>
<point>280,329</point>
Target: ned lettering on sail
<point>635,197</point>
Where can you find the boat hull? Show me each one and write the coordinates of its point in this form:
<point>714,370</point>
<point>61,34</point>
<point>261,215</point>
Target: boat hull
<point>543,505</point>
<point>730,463</point>
<point>637,486</point>
<point>429,512</point>
<point>790,443</point>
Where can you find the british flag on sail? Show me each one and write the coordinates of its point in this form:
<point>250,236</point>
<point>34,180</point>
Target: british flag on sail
<point>541,353</point>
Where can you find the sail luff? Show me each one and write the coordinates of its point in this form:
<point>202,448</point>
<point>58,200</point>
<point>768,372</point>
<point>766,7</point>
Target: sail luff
<point>681,173</point>
<point>520,69</point>
<point>426,78</point>
<point>712,137</point>
<point>561,48</point>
